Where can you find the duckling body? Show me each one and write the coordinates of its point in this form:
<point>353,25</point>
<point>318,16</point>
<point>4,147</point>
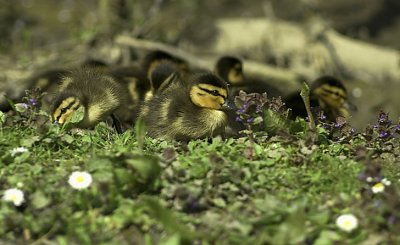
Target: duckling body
<point>97,93</point>
<point>188,110</point>
<point>159,63</point>
<point>328,93</point>
<point>230,69</point>
<point>136,85</point>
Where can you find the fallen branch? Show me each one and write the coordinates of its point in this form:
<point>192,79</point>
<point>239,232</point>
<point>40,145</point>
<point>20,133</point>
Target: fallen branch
<point>311,50</point>
<point>282,78</point>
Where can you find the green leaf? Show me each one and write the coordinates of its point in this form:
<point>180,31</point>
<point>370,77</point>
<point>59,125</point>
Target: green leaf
<point>98,164</point>
<point>77,116</point>
<point>40,200</point>
<point>274,122</point>
<point>30,141</point>
<point>175,239</point>
<point>293,229</point>
<point>146,166</point>
<point>327,237</point>
<point>67,138</point>
<point>2,117</point>
<point>219,202</point>
<point>140,129</point>
<point>168,219</point>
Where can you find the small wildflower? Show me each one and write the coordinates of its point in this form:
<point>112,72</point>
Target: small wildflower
<point>321,116</point>
<point>386,182</point>
<point>80,180</point>
<point>18,150</point>
<point>378,187</point>
<point>33,102</point>
<point>384,134</point>
<point>347,222</point>
<point>14,195</point>
<point>21,107</point>
<point>369,179</point>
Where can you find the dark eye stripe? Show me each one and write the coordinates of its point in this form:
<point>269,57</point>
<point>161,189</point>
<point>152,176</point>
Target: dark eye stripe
<point>212,92</point>
<point>65,109</point>
<point>331,92</point>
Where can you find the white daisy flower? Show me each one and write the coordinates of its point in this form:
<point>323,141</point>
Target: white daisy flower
<point>80,180</point>
<point>378,188</point>
<point>347,222</point>
<point>386,182</point>
<point>18,150</point>
<point>14,195</point>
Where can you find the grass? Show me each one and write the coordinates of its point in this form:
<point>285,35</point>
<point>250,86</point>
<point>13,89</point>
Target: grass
<point>263,189</point>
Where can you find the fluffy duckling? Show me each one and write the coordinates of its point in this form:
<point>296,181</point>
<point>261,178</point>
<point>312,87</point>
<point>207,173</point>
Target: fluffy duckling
<point>168,61</point>
<point>134,81</point>
<point>48,81</point>
<point>99,95</point>
<point>328,93</point>
<point>230,69</point>
<point>188,110</point>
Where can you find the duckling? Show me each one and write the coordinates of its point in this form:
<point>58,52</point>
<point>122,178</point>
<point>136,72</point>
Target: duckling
<point>230,69</point>
<point>48,82</point>
<point>326,92</point>
<point>99,94</point>
<point>186,110</point>
<point>169,62</point>
<point>134,81</point>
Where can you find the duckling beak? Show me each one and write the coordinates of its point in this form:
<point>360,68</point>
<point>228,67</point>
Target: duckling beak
<point>228,105</point>
<point>350,106</point>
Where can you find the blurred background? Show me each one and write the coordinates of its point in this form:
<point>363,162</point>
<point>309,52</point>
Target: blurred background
<point>356,40</point>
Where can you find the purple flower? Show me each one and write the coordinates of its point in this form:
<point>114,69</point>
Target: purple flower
<point>33,101</point>
<point>383,117</point>
<point>250,120</point>
<point>238,119</point>
<point>384,134</point>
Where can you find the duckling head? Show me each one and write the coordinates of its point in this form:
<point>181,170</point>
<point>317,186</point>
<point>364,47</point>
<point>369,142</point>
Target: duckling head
<point>331,93</point>
<point>65,107</point>
<point>153,59</point>
<point>159,77</point>
<point>209,91</point>
<point>230,69</point>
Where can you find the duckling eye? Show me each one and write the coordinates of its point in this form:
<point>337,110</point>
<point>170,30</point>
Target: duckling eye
<point>63,110</point>
<point>214,92</point>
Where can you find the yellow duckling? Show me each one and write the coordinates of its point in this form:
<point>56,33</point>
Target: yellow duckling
<point>328,93</point>
<point>230,69</point>
<point>98,94</point>
<point>155,74</point>
<point>188,110</point>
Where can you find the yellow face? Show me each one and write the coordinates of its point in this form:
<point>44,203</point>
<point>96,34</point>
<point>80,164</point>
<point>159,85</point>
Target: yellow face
<point>235,74</point>
<point>208,96</point>
<point>66,110</point>
<point>333,97</point>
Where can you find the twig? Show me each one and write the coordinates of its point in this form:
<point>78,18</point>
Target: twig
<point>287,79</point>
